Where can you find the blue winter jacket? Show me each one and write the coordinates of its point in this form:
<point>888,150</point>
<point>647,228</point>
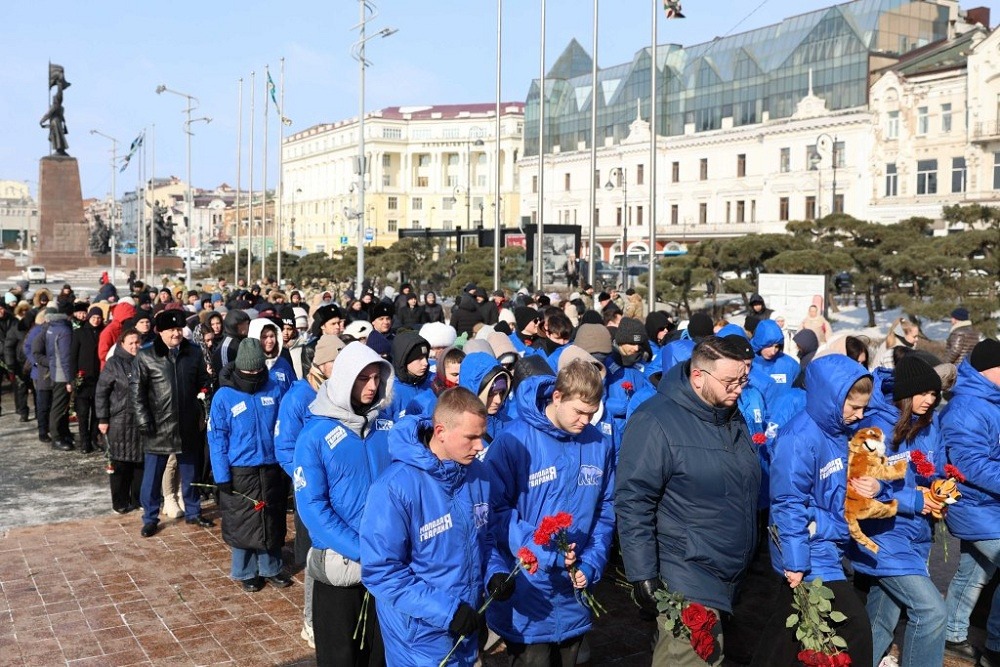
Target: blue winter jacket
<point>809,474</point>
<point>477,372</point>
<point>282,373</point>
<point>424,548</point>
<point>616,397</point>
<point>338,455</point>
<point>904,540</point>
<point>241,428</point>
<point>676,352</point>
<point>536,470</point>
<point>782,369</point>
<point>970,428</point>
<point>422,404</point>
<point>58,343</point>
<point>292,416</point>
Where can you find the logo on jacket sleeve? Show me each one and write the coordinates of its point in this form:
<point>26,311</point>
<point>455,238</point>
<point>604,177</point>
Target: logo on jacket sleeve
<point>606,428</point>
<point>277,428</point>
<point>831,467</point>
<point>279,376</point>
<point>299,479</point>
<point>335,436</point>
<point>435,527</point>
<point>481,514</point>
<point>780,378</point>
<point>758,418</point>
<point>590,476</point>
<point>542,476</point>
<point>772,430</point>
<point>238,409</point>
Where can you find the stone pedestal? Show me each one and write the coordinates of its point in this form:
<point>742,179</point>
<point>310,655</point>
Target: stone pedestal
<point>63,236</point>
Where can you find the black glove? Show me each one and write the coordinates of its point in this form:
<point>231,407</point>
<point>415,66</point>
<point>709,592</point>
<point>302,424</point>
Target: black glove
<point>225,487</point>
<point>466,621</point>
<point>501,587</point>
<point>644,593</point>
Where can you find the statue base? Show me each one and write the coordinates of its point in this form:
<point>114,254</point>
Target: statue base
<point>63,233</point>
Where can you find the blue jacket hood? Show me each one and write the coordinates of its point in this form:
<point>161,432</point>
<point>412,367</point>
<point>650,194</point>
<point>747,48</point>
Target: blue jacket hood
<point>533,395</point>
<point>828,380</point>
<point>406,445</point>
<point>972,384</point>
<point>767,333</point>
<point>475,369</point>
<point>732,330</point>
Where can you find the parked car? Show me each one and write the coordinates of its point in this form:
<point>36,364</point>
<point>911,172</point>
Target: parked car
<point>35,274</point>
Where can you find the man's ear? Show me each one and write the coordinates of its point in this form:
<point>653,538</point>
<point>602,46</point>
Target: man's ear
<point>557,397</point>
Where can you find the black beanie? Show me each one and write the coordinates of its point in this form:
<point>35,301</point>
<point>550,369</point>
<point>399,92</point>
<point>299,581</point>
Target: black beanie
<point>700,326</point>
<point>592,317</point>
<point>985,355</point>
<point>523,316</point>
<point>250,356</point>
<point>630,331</point>
<point>914,376</point>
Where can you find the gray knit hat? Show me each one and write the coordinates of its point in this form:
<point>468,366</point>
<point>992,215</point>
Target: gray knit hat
<point>250,357</point>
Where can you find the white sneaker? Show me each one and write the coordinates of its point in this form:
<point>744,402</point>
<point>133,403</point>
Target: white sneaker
<point>308,636</point>
<point>889,661</point>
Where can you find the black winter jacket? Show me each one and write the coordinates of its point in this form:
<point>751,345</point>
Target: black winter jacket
<point>113,407</point>
<point>164,392</point>
<point>431,312</point>
<point>407,318</point>
<point>13,346</point>
<point>83,355</point>
<point>466,315</point>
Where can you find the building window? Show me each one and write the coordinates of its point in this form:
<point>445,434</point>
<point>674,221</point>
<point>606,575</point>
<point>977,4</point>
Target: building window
<point>783,209</point>
<point>996,171</point>
<point>946,118</point>
<point>728,212</point>
<point>386,180</point>
<point>810,208</point>
<point>393,225</point>
<point>534,184</point>
<point>447,203</point>
<point>638,215</point>
<point>838,154</point>
<point>892,125</point>
<point>618,216</point>
<point>891,180</point>
<point>926,177</point>
<point>414,224</point>
<point>640,174</point>
<point>812,158</point>
<point>387,161</point>
<point>392,133</point>
<point>597,217</point>
<point>704,169</point>
<point>424,160</point>
<point>753,210</point>
<point>838,203</point>
<point>675,172</point>
<point>448,225</point>
<point>958,174</point>
<point>675,214</point>
<point>740,211</point>
<point>923,120</point>
<point>422,181</point>
<point>786,160</point>
<point>452,181</point>
<point>417,204</point>
<point>741,165</point>
<point>566,182</point>
<point>393,203</point>
<point>703,214</point>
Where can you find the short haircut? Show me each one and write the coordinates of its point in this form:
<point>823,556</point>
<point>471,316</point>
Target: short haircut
<point>558,325</point>
<point>579,379</point>
<point>863,387</point>
<point>713,348</point>
<point>452,356</point>
<point>454,402</point>
<point>130,331</point>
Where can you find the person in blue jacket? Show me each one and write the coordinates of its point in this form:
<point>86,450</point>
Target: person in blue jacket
<point>625,378</point>
<point>337,458</point>
<point>771,361</point>
<point>424,536</point>
<point>550,460</point>
<point>292,415</point>
<point>808,492</point>
<point>410,361</point>
<point>446,377</point>
<point>486,378</point>
<point>902,406</point>
<point>241,442</point>
<point>970,427</point>
<point>699,327</point>
<point>279,365</point>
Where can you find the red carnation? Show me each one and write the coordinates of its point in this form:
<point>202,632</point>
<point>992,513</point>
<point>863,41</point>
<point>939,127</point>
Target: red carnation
<point>954,473</point>
<point>545,531</point>
<point>759,439</point>
<point>628,386</point>
<point>528,560</point>
<point>697,618</point>
<point>703,644</point>
<point>563,520</point>
<point>924,467</point>
<point>259,505</point>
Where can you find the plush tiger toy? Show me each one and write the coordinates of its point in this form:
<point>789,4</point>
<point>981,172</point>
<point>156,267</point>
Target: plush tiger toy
<point>943,491</point>
<point>866,458</point>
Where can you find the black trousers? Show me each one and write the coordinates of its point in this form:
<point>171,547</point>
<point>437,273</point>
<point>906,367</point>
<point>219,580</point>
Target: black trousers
<point>86,417</point>
<point>21,388</point>
<point>335,616</point>
<point>778,646</point>
<point>125,482</point>
<point>43,407</point>
<point>59,413</point>
<point>553,654</point>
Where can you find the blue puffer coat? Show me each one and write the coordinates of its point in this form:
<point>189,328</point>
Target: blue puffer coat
<point>809,474</point>
<point>282,373</point>
<point>904,540</point>
<point>616,397</point>
<point>477,373</point>
<point>536,470</point>
<point>424,548</point>
<point>240,428</point>
<point>970,428</point>
<point>337,457</point>
<point>782,369</point>
<point>292,416</point>
<point>676,352</point>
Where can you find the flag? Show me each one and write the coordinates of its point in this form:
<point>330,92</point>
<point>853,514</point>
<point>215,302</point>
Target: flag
<point>672,9</point>
<point>271,90</point>
<point>136,145</point>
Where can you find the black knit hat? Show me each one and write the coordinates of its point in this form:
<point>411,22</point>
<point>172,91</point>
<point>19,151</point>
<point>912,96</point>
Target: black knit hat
<point>631,331</point>
<point>700,325</point>
<point>985,355</point>
<point>914,376</point>
<point>523,316</point>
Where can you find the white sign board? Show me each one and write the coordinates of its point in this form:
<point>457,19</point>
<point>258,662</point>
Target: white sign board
<point>791,295</point>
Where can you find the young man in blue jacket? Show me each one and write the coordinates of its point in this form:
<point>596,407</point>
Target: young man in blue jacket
<point>424,535</point>
<point>551,460</point>
<point>337,458</point>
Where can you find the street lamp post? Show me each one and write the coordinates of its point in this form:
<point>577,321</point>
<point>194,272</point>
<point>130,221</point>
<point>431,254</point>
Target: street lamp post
<point>818,208</point>
<point>822,142</point>
<point>609,186</point>
<point>468,173</point>
<point>291,223</point>
<point>114,193</point>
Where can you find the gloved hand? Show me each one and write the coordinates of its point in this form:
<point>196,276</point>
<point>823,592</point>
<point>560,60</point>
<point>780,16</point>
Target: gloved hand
<point>465,622</point>
<point>644,593</point>
<point>225,487</point>
<point>501,587</point>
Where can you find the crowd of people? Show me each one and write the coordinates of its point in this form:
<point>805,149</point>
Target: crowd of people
<point>462,478</point>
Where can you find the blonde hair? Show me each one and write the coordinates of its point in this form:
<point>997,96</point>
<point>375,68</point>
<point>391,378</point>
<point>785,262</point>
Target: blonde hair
<point>905,325</point>
<point>580,379</point>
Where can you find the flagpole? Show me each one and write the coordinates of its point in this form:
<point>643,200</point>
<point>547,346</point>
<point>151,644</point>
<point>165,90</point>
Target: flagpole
<point>281,170</point>
<point>263,203</point>
<point>151,242</point>
<point>497,165</point>
<point>250,218</point>
<point>239,164</point>
<point>139,245</point>
<point>539,233</point>
<point>592,232</point>
<point>652,162</point>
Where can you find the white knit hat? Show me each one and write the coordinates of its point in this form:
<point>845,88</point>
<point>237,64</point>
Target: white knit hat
<point>438,334</point>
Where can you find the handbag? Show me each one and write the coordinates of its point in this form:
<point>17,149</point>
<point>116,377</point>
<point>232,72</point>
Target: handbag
<point>330,567</point>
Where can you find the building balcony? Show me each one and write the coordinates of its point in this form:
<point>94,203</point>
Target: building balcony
<point>986,131</point>
<point>667,232</point>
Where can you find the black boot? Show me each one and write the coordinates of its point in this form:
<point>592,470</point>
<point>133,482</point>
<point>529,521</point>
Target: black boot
<point>86,447</point>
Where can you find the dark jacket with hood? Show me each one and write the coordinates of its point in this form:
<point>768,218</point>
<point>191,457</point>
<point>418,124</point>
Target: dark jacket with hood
<point>431,312</point>
<point>407,385</point>
<point>466,315</point>
<point>225,350</point>
<point>51,349</point>
<point>765,312</point>
<point>83,355</point>
<point>112,406</point>
<point>13,347</point>
<point>407,317</point>
<point>164,391</point>
<point>686,494</point>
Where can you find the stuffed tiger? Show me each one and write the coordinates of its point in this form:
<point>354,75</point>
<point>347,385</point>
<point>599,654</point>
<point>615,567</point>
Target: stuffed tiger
<point>866,458</point>
<point>943,491</point>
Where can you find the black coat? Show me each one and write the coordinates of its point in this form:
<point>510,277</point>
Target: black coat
<point>408,318</point>
<point>83,357</point>
<point>113,407</point>
<point>13,347</point>
<point>466,315</point>
<point>431,312</point>
<point>165,395</point>
<point>244,527</point>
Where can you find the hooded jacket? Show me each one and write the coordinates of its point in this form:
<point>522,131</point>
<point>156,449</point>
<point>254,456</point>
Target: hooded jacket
<point>241,444</point>
<point>809,474</point>
<point>424,547</point>
<point>537,470</point>
<point>970,428</point>
<point>904,540</point>
<point>782,370</point>
<point>477,374</point>
<point>112,407</point>
<point>431,312</point>
<point>292,416</point>
<point>52,349</point>
<point>225,350</point>
<point>337,456</point>
<point>83,354</point>
<point>120,314</point>
<point>686,496</point>
<point>617,392</point>
<point>407,385</point>
<point>279,368</point>
<point>466,315</point>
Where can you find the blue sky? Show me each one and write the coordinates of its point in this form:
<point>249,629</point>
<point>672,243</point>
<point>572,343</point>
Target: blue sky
<point>116,53</point>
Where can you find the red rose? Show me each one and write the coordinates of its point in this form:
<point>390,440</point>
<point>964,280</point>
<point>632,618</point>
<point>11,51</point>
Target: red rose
<point>703,644</point>
<point>697,618</point>
<point>528,560</point>
<point>628,386</point>
<point>841,660</point>
<point>954,473</point>
<point>811,658</point>
<point>759,439</point>
<point>259,505</point>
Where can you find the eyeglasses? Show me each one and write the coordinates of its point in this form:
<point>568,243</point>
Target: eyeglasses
<point>729,385</point>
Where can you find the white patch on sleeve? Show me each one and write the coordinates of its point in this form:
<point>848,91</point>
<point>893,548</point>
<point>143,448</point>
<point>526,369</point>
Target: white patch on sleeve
<point>267,400</point>
<point>238,409</point>
<point>335,436</point>
<point>299,479</point>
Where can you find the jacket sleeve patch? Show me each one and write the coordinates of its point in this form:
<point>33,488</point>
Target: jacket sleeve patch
<point>334,437</point>
<point>238,409</point>
<point>299,479</point>
<point>590,476</point>
<point>481,514</point>
<point>267,400</point>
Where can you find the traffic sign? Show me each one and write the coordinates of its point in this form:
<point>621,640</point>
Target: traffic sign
<point>343,240</point>
<point>369,234</point>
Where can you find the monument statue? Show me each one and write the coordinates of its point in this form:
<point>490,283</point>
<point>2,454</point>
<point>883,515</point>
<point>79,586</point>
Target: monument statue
<point>55,119</point>
<point>100,237</point>
<point>163,230</point>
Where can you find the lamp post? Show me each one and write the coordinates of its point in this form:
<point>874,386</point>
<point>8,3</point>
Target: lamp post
<point>824,141</point>
<point>114,192</point>
<point>610,186</point>
<point>818,208</point>
<point>468,172</point>
<point>191,100</point>
<point>358,52</point>
<point>291,222</point>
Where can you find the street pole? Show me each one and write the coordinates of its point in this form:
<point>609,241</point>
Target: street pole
<point>833,204</point>
<point>592,235</point>
<point>622,173</point>
<point>497,166</point>
<point>250,203</point>
<point>280,215</point>
<point>263,207</point>
<point>540,227</point>
<point>652,161</point>
<point>114,191</point>
<point>239,164</point>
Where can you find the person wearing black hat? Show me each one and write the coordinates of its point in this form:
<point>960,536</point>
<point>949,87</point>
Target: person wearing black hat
<point>526,320</point>
<point>408,314</point>
<point>79,314</point>
<point>163,297</point>
<point>961,337</point>
<point>489,310</point>
<point>625,375</point>
<point>167,378</point>
<point>465,315</point>
<point>328,319</point>
<point>411,365</point>
<point>382,314</point>
<point>85,368</point>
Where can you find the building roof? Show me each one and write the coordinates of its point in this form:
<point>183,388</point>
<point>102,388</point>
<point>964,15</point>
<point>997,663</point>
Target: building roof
<point>448,111</point>
<point>940,56</point>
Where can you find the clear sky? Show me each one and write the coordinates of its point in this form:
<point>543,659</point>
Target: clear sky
<point>116,53</point>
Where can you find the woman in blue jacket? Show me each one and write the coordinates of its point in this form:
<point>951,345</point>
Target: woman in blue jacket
<point>902,406</point>
<point>808,492</point>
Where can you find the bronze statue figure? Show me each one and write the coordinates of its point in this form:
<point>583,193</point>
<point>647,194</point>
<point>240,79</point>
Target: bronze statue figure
<point>55,119</point>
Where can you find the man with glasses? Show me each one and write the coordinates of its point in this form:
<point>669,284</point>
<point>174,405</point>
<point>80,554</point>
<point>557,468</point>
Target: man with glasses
<point>686,491</point>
